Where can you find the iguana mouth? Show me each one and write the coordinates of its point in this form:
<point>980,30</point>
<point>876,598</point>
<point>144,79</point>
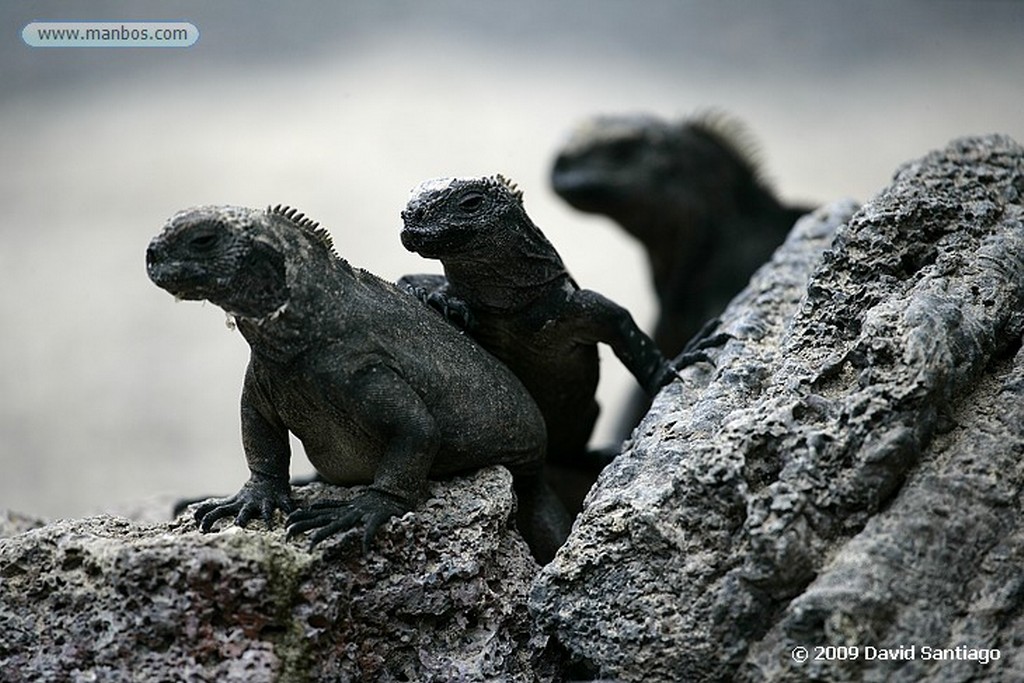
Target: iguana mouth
<point>416,237</point>
<point>584,191</point>
<point>181,278</point>
<point>431,242</point>
<point>178,279</point>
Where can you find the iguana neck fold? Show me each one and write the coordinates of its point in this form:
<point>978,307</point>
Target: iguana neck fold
<point>486,282</point>
<point>312,276</point>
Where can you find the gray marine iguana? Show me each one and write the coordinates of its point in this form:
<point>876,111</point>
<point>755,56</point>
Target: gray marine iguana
<point>695,200</point>
<point>378,389</point>
<point>506,284</point>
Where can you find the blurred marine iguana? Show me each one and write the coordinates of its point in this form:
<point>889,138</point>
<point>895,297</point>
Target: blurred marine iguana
<point>691,195</point>
<point>506,284</point>
<point>378,389</point>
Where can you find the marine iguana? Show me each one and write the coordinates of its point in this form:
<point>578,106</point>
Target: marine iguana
<point>378,389</point>
<point>692,196</point>
<point>507,284</point>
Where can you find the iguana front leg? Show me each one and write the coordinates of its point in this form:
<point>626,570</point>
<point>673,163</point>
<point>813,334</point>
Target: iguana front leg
<point>598,319</point>
<point>382,403</point>
<point>432,290</point>
<point>267,453</point>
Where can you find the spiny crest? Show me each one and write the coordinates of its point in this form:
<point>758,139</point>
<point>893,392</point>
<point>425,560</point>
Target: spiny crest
<point>732,135</point>
<point>305,223</point>
<point>513,189</point>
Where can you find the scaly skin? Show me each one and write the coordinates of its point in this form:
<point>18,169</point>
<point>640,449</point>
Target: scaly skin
<point>507,284</point>
<point>378,389</point>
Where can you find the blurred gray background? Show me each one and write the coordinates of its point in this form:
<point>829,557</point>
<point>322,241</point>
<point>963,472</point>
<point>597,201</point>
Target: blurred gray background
<point>112,393</point>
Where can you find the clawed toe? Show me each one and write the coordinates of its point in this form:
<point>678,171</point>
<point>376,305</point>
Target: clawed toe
<point>685,360</point>
<point>209,513</point>
<point>326,531</point>
<point>713,341</point>
<point>328,518</point>
<point>694,351</point>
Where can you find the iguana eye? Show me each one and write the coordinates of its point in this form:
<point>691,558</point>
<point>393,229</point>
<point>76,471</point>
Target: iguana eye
<point>204,242</point>
<point>621,151</point>
<point>471,202</point>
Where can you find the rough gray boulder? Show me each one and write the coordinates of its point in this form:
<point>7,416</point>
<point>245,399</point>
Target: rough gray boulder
<point>848,475</point>
<point>441,597</point>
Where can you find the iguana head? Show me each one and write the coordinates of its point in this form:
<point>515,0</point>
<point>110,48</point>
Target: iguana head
<point>230,256</point>
<point>635,168</point>
<point>456,217</point>
<point>606,157</point>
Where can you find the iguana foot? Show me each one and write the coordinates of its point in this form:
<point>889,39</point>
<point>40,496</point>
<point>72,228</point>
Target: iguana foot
<point>685,360</point>
<point>184,503</point>
<point>260,496</point>
<point>330,517</point>
<point>429,289</point>
<point>693,352</point>
<point>659,378</point>
<point>455,311</point>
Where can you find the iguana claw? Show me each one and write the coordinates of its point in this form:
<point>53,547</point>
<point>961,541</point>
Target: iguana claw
<point>260,496</point>
<point>455,311</point>
<point>330,517</point>
<point>693,352</point>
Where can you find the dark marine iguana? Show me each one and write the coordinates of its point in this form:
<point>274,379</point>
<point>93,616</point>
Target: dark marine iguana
<point>378,389</point>
<point>692,196</point>
<point>506,283</point>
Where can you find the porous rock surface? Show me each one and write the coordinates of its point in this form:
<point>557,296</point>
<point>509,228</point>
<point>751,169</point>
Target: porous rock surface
<point>13,523</point>
<point>441,597</point>
<point>848,473</point>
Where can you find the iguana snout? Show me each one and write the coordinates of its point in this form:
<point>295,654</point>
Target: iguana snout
<point>171,267</point>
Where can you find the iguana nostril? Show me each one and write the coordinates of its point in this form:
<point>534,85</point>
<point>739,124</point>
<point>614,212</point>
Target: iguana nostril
<point>415,214</point>
<point>561,162</point>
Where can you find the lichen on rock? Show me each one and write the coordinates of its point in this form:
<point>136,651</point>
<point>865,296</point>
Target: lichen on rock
<point>440,597</point>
